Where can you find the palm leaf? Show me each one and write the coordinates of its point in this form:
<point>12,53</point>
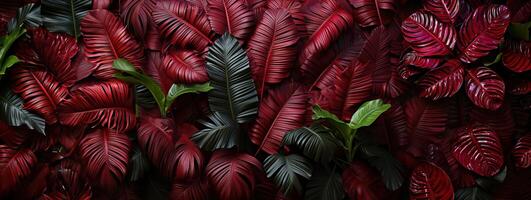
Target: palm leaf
<point>234,92</point>
<point>391,169</point>
<point>11,110</point>
<point>231,16</point>
<point>64,16</point>
<point>287,171</point>
<point>315,141</point>
<point>28,15</point>
<point>325,185</point>
<point>220,132</point>
<point>14,166</point>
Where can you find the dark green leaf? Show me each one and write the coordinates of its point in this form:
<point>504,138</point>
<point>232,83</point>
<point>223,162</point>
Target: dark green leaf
<point>12,112</point>
<point>490,183</point>
<point>143,97</point>
<point>286,171</point>
<point>321,114</point>
<point>234,92</point>
<point>474,193</point>
<point>178,90</point>
<point>139,165</point>
<point>520,30</point>
<point>324,185</point>
<point>391,169</point>
<point>368,113</point>
<point>220,132</point>
<point>315,142</point>
<point>494,61</point>
<point>29,15</point>
<point>64,15</point>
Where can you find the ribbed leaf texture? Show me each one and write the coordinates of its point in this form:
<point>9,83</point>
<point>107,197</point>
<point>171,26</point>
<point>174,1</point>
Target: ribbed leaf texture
<point>445,10</point>
<point>155,137</point>
<point>517,56</point>
<point>362,182</point>
<point>232,175</point>
<point>294,8</point>
<point>64,16</point>
<point>411,58</point>
<point>430,182</point>
<point>231,16</point>
<point>195,189</point>
<point>478,149</point>
<point>189,159</point>
<point>108,104</point>
<point>373,12</point>
<point>15,164</point>
<point>107,39</point>
<point>138,14</point>
<point>484,87</point>
<point>522,152</point>
<point>185,67</point>
<point>281,111</point>
<point>482,31</point>
<point>106,154</point>
<point>427,35</point>
<point>425,121</point>
<point>442,82</point>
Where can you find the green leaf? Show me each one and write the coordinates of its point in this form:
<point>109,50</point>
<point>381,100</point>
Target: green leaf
<point>491,183</point>
<point>287,171</point>
<point>325,185</point>
<point>143,97</point>
<point>234,91</point>
<point>520,30</point>
<point>132,76</point>
<point>368,113</point>
<point>180,89</point>
<point>474,193</point>
<point>496,60</point>
<point>220,132</point>
<point>64,16</point>
<point>10,61</point>
<point>321,114</point>
<point>11,111</point>
<point>139,165</point>
<point>315,142</point>
<point>29,15</point>
<point>391,169</point>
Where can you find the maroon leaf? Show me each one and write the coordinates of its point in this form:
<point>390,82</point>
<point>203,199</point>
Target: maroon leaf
<point>155,70</point>
<point>445,10</point>
<point>484,87</point>
<point>373,12</point>
<point>196,189</point>
<point>40,90</point>
<point>183,24</point>
<point>517,56</point>
<point>185,67</point>
<point>155,137</point>
<point>109,104</point>
<point>294,7</point>
<point>350,89</point>
<point>411,58</point>
<point>106,154</point>
<point>478,149</point>
<point>523,14</point>
<point>441,82</point>
<point>138,14</point>
<point>427,35</point>
<point>430,182</point>
<point>101,4</point>
<point>377,53</point>
<point>501,121</point>
<point>11,135</point>
<point>15,165</point>
<point>232,175</point>
<point>282,110</point>
<point>107,39</point>
<point>362,182</point>
<point>522,88</point>
<point>272,49</point>
<point>407,71</point>
<point>482,31</point>
<point>522,152</point>
<point>232,16</point>
<point>325,21</point>
<point>425,121</point>
<point>188,158</point>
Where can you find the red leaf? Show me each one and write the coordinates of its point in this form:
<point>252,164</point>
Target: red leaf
<point>101,4</point>
<point>425,121</point>
<point>351,88</point>
<point>138,14</point>
<point>11,135</point>
<point>377,53</point>
<point>14,166</point>
<point>232,16</point>
<point>427,35</point>
<point>272,49</point>
<point>55,51</point>
<point>232,175</point>
<point>478,149</point>
<point>411,58</point>
<point>325,21</point>
<point>517,56</point>
<point>282,110</point>
<point>442,82</point>
<point>482,31</point>
<point>445,10</point>
<point>108,104</point>
<point>155,137</point>
<point>107,39</point>
<point>155,70</point>
<point>373,12</point>
<point>294,7</point>
<point>185,67</point>
<point>188,158</point>
<point>522,88</point>
<point>484,87</point>
<point>430,182</point>
<point>196,190</point>
<point>501,121</point>
<point>407,71</point>
<point>523,14</point>
<point>106,154</point>
<point>362,182</point>
<point>522,152</point>
<point>183,24</point>
<point>40,91</point>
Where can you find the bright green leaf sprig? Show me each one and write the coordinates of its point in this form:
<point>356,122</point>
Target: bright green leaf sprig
<point>129,74</point>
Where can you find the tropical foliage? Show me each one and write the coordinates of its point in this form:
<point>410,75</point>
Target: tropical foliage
<point>265,99</point>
